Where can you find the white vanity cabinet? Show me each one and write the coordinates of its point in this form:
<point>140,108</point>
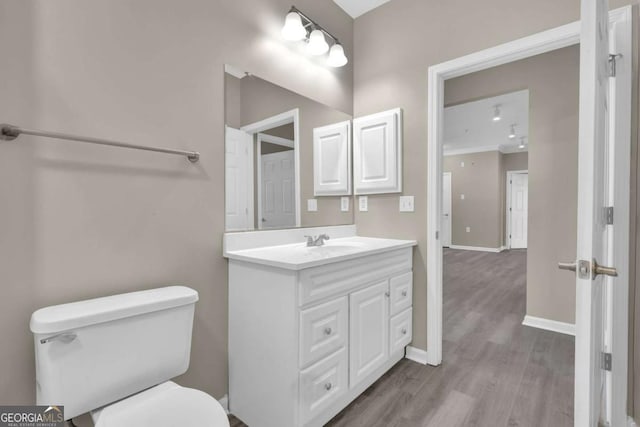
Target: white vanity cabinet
<point>304,343</point>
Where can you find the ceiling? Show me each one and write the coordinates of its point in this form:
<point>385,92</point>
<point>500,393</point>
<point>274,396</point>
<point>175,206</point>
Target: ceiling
<point>356,8</point>
<point>470,127</point>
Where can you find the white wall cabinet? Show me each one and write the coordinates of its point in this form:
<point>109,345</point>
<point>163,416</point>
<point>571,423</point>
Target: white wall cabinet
<point>377,153</point>
<point>332,160</point>
<point>303,344</point>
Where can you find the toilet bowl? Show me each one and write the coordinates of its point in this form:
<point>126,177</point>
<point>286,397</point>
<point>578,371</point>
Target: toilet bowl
<point>114,357</point>
<point>165,405</point>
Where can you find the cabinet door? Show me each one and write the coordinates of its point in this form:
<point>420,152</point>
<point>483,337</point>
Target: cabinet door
<point>369,331</point>
<point>377,151</point>
<point>332,160</point>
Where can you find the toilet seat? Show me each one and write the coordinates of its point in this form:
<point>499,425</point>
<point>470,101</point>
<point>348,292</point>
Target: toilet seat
<point>165,405</point>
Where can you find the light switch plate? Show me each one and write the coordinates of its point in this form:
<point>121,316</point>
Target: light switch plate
<point>344,204</point>
<point>363,203</point>
<point>312,205</point>
<point>462,197</point>
<point>468,229</point>
<point>461,164</point>
<point>407,203</point>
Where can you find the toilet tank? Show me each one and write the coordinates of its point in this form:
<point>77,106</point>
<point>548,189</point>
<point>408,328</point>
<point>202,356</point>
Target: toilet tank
<point>94,352</point>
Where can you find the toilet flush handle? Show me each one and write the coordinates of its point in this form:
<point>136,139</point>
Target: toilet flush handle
<point>65,337</point>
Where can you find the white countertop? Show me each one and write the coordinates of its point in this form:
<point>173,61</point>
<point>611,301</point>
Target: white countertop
<point>298,256</point>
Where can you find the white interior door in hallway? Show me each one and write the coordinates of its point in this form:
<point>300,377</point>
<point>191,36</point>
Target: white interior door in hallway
<point>446,209</point>
<point>517,207</point>
<point>238,180</point>
<point>278,190</point>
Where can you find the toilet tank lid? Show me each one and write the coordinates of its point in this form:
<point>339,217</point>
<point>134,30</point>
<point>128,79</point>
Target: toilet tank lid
<point>64,317</point>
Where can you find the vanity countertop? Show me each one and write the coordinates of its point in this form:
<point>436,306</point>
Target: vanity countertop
<point>298,256</point>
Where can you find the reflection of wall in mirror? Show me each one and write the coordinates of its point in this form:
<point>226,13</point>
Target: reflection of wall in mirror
<point>251,99</point>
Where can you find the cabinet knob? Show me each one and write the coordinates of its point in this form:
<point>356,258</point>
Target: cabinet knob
<point>327,331</point>
<point>404,331</point>
<point>328,386</point>
<point>404,293</point>
<point>387,294</point>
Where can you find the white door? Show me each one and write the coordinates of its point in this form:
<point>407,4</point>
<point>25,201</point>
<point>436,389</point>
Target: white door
<point>278,189</point>
<point>368,331</point>
<point>238,180</point>
<point>595,238</point>
<point>446,209</point>
<point>518,210</point>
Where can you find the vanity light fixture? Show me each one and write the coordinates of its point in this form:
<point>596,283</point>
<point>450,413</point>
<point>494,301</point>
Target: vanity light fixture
<point>496,114</point>
<point>521,146</point>
<point>298,26</point>
<point>512,134</point>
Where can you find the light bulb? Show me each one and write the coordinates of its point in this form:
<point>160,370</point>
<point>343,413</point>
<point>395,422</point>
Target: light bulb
<point>317,44</point>
<point>496,114</point>
<point>513,132</point>
<point>293,29</point>
<point>336,56</point>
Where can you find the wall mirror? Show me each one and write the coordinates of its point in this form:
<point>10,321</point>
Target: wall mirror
<point>269,157</point>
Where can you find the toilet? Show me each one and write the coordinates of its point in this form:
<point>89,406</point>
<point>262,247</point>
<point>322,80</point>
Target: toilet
<point>114,357</point>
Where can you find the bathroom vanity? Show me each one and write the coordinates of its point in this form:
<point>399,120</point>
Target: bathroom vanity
<point>310,328</point>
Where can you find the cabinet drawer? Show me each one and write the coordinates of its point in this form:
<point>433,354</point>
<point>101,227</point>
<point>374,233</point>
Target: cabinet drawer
<point>342,277</point>
<point>322,384</point>
<point>401,330</point>
<point>401,288</point>
<point>323,330</point>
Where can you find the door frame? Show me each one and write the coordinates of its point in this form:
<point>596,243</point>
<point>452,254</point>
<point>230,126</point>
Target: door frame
<point>507,205</point>
<point>542,42</point>
<point>264,137</point>
<point>450,206</point>
<point>291,116</point>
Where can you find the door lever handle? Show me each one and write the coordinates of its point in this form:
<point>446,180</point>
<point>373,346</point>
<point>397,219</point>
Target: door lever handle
<point>571,266</point>
<point>607,271</point>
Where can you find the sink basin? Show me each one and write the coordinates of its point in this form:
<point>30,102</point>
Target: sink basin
<point>298,256</point>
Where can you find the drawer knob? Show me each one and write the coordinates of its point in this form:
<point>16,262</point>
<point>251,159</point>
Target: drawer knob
<point>328,386</point>
<point>327,331</point>
<point>404,331</point>
<point>404,293</point>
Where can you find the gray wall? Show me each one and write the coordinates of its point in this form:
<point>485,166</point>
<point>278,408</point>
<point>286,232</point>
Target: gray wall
<point>396,43</point>
<point>81,221</point>
<point>479,181</point>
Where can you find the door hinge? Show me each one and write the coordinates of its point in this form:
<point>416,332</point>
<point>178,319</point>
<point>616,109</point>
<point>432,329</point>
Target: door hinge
<point>608,214</point>
<point>606,361</point>
<point>437,235</point>
<point>613,57</point>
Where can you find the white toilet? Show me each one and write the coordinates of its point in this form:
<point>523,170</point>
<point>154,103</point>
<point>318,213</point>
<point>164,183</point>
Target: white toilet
<point>114,357</point>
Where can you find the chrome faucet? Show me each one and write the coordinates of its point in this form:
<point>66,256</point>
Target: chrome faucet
<point>316,241</point>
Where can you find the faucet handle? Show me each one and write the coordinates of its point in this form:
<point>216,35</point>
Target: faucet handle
<point>309,239</point>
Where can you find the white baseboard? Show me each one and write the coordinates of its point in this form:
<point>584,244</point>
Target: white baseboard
<point>416,354</point>
<point>224,402</point>
<point>477,248</point>
<point>550,325</point>
<point>631,422</point>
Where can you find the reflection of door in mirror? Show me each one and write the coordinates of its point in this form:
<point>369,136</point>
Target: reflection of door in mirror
<point>276,178</point>
<point>238,180</point>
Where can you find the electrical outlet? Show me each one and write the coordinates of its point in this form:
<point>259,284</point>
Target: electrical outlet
<point>468,229</point>
<point>363,203</point>
<point>406,204</point>
<point>462,197</point>
<point>312,205</point>
<point>344,204</point>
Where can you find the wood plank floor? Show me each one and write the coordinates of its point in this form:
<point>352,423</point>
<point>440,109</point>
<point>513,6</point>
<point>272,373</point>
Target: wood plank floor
<point>495,373</point>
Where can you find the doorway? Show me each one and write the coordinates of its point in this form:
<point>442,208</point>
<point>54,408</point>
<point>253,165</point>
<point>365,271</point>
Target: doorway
<point>524,48</point>
<point>517,209</point>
